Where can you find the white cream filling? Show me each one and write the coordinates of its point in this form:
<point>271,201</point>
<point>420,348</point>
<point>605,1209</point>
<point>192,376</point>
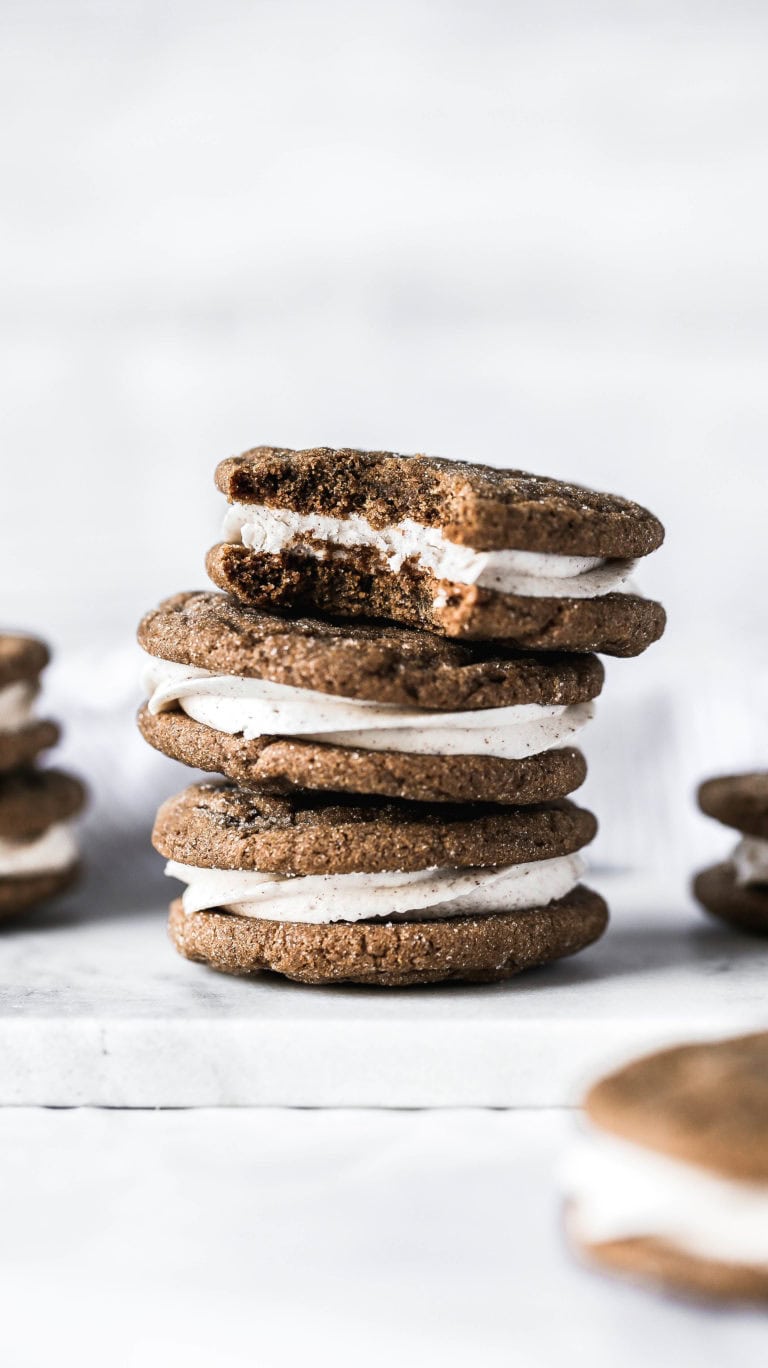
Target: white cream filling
<point>531,573</point>
<point>258,707</point>
<point>423,894</point>
<point>55,849</point>
<point>624,1191</point>
<point>16,705</point>
<point>750,861</point>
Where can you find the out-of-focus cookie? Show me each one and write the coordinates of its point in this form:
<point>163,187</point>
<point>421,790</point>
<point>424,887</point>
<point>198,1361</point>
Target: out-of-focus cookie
<point>736,890</point>
<point>22,735</point>
<point>670,1183</point>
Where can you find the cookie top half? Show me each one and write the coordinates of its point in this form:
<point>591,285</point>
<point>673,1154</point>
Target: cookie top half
<point>31,800</point>
<point>472,505</point>
<point>381,663</point>
<point>220,826</point>
<point>705,1104</point>
<point>21,657</point>
<point>739,801</point>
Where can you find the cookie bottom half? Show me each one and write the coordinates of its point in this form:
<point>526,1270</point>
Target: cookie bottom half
<point>18,895</point>
<point>275,765</point>
<point>482,949</point>
<point>655,1261</point>
<point>617,624</point>
<point>743,906</point>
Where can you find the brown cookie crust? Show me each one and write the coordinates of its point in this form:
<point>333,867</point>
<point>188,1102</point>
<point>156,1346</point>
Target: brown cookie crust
<point>393,954</point>
<point>21,657</point>
<point>739,801</point>
<point>474,505</point>
<point>19,748</point>
<point>31,800</point>
<point>384,663</point>
<point>271,765</point>
<point>16,895</point>
<point>705,1104</point>
<point>743,906</point>
<point>353,586</point>
<point>219,826</point>
<point>646,1259</point>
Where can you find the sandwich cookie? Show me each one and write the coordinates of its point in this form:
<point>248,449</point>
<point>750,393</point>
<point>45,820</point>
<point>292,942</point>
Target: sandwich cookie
<point>283,703</point>
<point>463,550</point>
<point>670,1184</point>
<point>374,892</point>
<point>22,735</point>
<point>38,852</point>
<point>737,889</point>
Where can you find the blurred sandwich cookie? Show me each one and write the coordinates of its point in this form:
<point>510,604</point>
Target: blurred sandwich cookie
<point>38,851</point>
<point>22,735</point>
<point>737,889</point>
<point>670,1185</point>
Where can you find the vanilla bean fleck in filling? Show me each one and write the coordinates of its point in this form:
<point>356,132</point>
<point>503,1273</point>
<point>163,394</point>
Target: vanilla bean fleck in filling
<point>258,707</point>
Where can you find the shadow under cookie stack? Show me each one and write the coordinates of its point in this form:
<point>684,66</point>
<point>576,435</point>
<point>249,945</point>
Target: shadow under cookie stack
<point>389,682</point>
<point>38,851</point>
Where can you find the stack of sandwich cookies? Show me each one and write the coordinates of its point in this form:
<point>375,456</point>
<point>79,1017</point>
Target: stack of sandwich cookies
<point>391,683</point>
<point>670,1185</point>
<point>736,890</point>
<point>365,891</point>
<point>284,704</point>
<point>463,550</point>
<point>38,851</point>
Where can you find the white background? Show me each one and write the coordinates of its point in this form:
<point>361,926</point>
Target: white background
<point>525,233</point>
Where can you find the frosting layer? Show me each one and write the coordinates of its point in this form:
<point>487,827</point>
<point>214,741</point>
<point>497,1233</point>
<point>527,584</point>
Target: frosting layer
<point>530,573</point>
<point>750,861</point>
<point>622,1191</point>
<point>424,894</point>
<point>258,707</point>
<point>16,705</point>
<point>55,849</point>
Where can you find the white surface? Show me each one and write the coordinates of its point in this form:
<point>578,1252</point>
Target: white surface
<point>238,1238</point>
<point>96,1008</point>
<point>529,232</point>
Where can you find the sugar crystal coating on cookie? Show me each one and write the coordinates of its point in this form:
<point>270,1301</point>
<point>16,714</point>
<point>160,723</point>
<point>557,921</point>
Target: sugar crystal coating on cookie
<point>223,827</point>
<point>474,504</point>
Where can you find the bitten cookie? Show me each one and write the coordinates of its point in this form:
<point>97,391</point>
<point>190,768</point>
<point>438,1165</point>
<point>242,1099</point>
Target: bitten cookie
<point>22,735</point>
<point>285,703</point>
<point>372,892</point>
<point>459,549</point>
<point>38,852</point>
<point>670,1185</point>
<point>736,890</point>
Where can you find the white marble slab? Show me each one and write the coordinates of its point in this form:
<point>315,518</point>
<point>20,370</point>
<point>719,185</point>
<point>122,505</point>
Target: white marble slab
<point>96,1009</point>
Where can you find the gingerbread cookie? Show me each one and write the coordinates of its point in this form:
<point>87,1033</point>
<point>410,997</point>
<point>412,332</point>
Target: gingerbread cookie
<point>375,892</point>
<point>670,1184</point>
<point>283,704</point>
<point>462,550</point>
<point>736,890</point>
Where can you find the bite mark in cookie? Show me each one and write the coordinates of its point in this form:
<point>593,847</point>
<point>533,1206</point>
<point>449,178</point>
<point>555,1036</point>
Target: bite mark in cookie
<point>468,551</point>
